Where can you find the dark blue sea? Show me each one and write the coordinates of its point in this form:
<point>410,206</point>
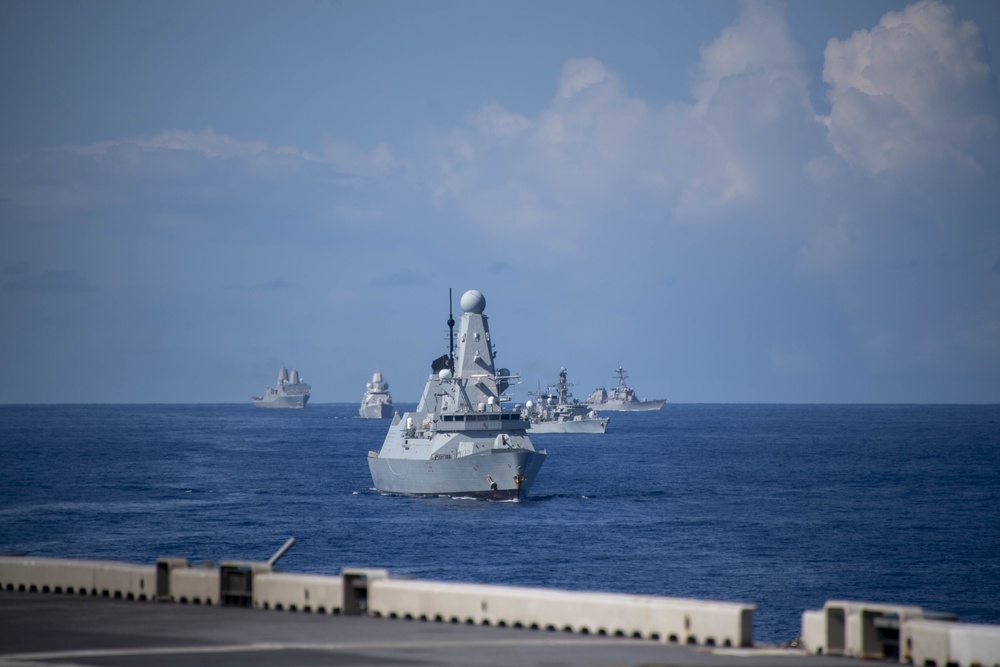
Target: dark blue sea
<point>784,506</point>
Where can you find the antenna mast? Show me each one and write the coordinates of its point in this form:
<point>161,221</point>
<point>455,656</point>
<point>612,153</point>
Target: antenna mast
<point>451,333</point>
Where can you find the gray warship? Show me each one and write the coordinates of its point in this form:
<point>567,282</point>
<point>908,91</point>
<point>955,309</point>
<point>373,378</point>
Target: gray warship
<point>290,392</point>
<point>377,403</point>
<point>620,398</point>
<point>558,412</point>
<point>459,442</point>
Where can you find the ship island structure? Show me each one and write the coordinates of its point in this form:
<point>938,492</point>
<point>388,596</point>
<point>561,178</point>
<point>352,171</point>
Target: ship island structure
<point>459,442</point>
<point>377,402</point>
<point>291,391</point>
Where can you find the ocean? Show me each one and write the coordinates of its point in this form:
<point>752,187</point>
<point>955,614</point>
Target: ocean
<point>783,506</point>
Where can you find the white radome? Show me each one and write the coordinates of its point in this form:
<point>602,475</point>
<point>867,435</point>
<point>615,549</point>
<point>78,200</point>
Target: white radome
<point>473,302</point>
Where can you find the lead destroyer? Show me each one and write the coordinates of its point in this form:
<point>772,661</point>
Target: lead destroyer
<point>459,442</point>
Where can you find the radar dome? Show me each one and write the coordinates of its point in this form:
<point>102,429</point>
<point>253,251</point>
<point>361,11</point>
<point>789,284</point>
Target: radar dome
<point>444,374</point>
<point>473,302</point>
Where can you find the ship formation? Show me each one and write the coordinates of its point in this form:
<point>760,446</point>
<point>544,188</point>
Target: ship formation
<point>290,392</point>
<point>459,441</point>
<point>377,403</point>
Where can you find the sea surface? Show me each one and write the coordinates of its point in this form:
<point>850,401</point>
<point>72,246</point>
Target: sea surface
<point>783,506</point>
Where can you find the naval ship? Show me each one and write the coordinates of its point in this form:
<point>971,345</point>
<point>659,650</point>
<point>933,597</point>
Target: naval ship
<point>288,393</point>
<point>377,403</point>
<point>559,412</point>
<point>459,442</point>
<point>620,398</point>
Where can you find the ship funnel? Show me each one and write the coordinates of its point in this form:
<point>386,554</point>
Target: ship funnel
<point>283,375</point>
<point>295,376</point>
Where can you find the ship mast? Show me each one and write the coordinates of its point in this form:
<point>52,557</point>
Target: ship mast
<point>451,334</point>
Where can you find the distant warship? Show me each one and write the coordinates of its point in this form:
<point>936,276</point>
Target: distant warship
<point>459,442</point>
<point>288,393</point>
<point>559,412</point>
<point>620,398</point>
<point>377,403</point>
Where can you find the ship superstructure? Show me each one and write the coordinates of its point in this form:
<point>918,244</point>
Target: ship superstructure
<point>291,391</point>
<point>377,402</point>
<point>459,442</point>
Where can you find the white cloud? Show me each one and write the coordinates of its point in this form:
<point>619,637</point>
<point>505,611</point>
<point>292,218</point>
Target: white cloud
<point>579,75</point>
<point>495,121</point>
<point>205,143</point>
<point>350,159</point>
<point>597,151</point>
<point>178,168</point>
<point>913,90</point>
<point>759,43</point>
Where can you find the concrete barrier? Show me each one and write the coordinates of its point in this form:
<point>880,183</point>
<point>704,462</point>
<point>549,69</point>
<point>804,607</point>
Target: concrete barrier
<point>194,585</point>
<point>813,635</point>
<point>298,592</point>
<point>858,629</point>
<point>48,575</point>
<point>125,581</point>
<point>79,577</point>
<point>929,643</point>
<point>666,619</point>
<point>926,642</point>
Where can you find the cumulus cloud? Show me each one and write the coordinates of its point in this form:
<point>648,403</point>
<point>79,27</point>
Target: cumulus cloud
<point>912,91</point>
<point>759,43</point>
<point>597,151</point>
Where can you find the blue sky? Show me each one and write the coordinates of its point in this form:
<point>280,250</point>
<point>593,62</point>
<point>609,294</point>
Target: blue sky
<point>738,202</point>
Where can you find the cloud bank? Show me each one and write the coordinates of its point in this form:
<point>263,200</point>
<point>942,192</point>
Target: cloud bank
<point>852,246</point>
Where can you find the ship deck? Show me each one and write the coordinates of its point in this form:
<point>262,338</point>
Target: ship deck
<point>49,629</point>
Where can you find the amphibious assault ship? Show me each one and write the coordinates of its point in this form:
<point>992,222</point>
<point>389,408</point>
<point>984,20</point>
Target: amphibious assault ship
<point>620,398</point>
<point>559,412</point>
<point>377,403</point>
<point>288,393</point>
<point>459,442</point>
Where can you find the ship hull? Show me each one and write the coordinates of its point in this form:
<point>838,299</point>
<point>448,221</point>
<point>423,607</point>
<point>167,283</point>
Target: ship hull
<point>294,401</point>
<point>599,425</point>
<point>627,406</point>
<point>375,411</point>
<point>467,476</point>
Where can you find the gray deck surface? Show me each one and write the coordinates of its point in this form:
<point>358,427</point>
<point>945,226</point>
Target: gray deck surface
<point>50,629</point>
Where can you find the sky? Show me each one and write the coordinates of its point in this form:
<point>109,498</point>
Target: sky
<point>735,201</point>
